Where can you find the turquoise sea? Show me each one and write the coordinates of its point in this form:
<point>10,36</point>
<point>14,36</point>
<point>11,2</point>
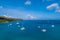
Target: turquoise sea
<point>32,30</point>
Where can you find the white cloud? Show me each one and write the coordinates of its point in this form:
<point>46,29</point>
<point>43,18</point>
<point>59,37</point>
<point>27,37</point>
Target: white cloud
<point>54,6</point>
<point>5,15</point>
<point>8,16</point>
<point>28,2</point>
<point>30,17</point>
<point>58,11</point>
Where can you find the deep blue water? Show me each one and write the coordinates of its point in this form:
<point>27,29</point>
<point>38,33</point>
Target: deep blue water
<point>31,32</point>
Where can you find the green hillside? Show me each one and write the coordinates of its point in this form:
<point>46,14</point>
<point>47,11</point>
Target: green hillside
<point>8,19</point>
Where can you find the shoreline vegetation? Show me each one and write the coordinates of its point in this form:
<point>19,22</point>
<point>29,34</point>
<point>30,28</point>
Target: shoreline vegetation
<point>8,19</point>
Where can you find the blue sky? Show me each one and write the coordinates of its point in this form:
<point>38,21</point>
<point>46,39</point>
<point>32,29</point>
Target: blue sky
<point>31,9</point>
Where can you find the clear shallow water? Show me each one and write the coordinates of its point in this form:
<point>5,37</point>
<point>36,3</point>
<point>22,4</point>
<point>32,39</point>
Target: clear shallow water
<point>12,30</point>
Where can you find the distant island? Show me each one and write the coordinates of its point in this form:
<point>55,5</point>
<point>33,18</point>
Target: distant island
<point>8,19</point>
